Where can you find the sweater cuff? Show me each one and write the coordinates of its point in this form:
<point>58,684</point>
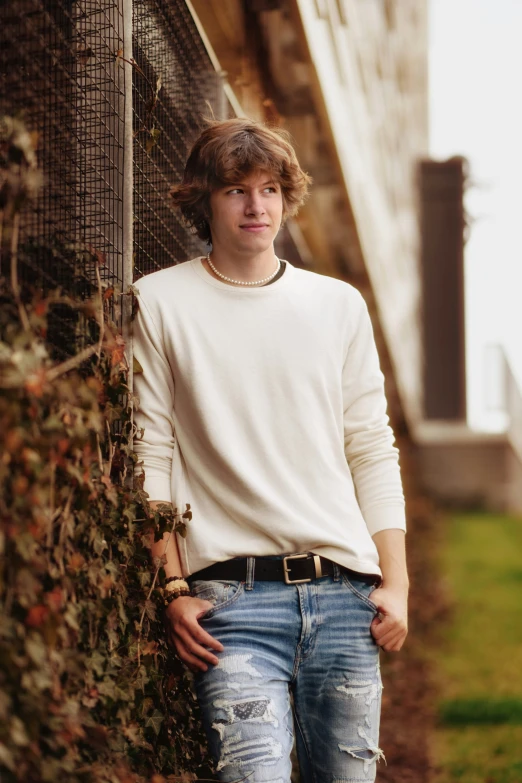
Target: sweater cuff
<point>385,517</point>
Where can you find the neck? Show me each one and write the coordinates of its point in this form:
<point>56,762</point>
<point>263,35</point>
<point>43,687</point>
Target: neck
<point>241,268</point>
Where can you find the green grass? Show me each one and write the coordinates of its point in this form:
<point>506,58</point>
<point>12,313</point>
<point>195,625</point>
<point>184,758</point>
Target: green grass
<point>479,755</point>
<point>480,664</point>
<point>485,711</point>
<point>482,563</point>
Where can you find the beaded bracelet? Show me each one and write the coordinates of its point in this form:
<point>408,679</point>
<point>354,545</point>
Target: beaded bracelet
<point>179,584</point>
<point>171,596</point>
<point>170,579</point>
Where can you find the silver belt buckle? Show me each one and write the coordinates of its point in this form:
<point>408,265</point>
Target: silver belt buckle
<point>286,569</point>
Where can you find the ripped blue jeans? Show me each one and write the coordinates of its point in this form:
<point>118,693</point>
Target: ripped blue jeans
<point>310,640</point>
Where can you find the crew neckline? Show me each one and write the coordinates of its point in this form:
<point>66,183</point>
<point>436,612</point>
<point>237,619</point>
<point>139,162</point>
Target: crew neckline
<point>199,269</point>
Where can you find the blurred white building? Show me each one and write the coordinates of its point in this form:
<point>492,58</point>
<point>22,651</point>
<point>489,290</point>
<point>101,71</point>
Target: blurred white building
<point>349,79</point>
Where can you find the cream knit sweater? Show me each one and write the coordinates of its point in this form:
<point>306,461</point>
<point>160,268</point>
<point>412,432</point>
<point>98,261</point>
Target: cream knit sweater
<point>264,409</point>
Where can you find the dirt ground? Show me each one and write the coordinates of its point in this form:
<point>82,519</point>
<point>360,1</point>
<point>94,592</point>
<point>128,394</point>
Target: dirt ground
<point>409,691</point>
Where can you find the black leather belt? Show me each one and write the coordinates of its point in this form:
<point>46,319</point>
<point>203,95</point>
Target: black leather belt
<point>292,569</point>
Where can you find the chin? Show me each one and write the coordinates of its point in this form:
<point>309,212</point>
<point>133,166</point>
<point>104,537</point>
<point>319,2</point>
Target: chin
<point>259,244</point>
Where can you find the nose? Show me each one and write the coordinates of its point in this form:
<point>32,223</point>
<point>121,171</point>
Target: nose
<point>254,204</point>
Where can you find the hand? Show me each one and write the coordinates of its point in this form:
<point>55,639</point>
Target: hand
<point>390,628</point>
<point>186,634</point>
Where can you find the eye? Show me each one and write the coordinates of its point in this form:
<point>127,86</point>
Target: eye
<point>234,190</point>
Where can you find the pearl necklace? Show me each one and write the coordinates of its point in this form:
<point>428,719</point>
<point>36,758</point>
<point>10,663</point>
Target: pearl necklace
<point>243,282</point>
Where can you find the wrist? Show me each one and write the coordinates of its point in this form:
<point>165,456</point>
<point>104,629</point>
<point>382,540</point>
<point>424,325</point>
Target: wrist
<point>399,585</point>
<point>175,587</point>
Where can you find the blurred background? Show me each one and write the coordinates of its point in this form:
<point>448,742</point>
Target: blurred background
<point>405,113</point>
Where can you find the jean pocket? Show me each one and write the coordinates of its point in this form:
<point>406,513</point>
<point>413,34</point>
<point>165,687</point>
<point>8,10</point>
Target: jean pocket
<point>220,592</point>
<point>362,590</point>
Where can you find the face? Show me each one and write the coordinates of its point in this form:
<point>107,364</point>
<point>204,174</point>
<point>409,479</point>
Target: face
<point>246,215</point>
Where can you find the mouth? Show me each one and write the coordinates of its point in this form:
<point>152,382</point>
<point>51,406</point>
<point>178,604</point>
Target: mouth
<point>254,228</point>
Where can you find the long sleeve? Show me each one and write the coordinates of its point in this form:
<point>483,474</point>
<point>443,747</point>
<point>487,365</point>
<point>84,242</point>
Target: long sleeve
<point>369,449</point>
<point>155,389</point>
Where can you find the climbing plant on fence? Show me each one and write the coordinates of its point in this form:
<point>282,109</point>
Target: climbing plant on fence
<point>88,689</point>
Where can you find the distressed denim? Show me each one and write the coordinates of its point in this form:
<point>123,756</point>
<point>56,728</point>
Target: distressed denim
<point>312,641</point>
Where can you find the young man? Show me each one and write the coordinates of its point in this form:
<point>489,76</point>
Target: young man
<point>262,404</point>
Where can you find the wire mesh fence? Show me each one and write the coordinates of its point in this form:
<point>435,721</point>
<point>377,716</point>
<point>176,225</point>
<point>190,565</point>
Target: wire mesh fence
<point>58,69</point>
<point>172,63</point>
<point>61,67</point>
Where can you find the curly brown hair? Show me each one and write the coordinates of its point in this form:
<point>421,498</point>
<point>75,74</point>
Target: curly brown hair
<point>225,152</point>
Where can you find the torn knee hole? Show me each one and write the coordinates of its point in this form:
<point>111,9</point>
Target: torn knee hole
<point>367,753</point>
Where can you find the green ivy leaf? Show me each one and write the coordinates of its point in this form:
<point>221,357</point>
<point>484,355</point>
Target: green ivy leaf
<point>150,610</point>
<point>97,662</point>
<point>121,611</point>
<point>36,649</point>
<point>77,565</point>
<point>145,578</point>
<point>154,721</point>
<point>152,140</point>
<point>70,616</point>
<point>7,758</point>
<point>17,732</point>
<point>125,547</point>
<point>5,705</point>
<point>134,734</point>
<point>26,546</point>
